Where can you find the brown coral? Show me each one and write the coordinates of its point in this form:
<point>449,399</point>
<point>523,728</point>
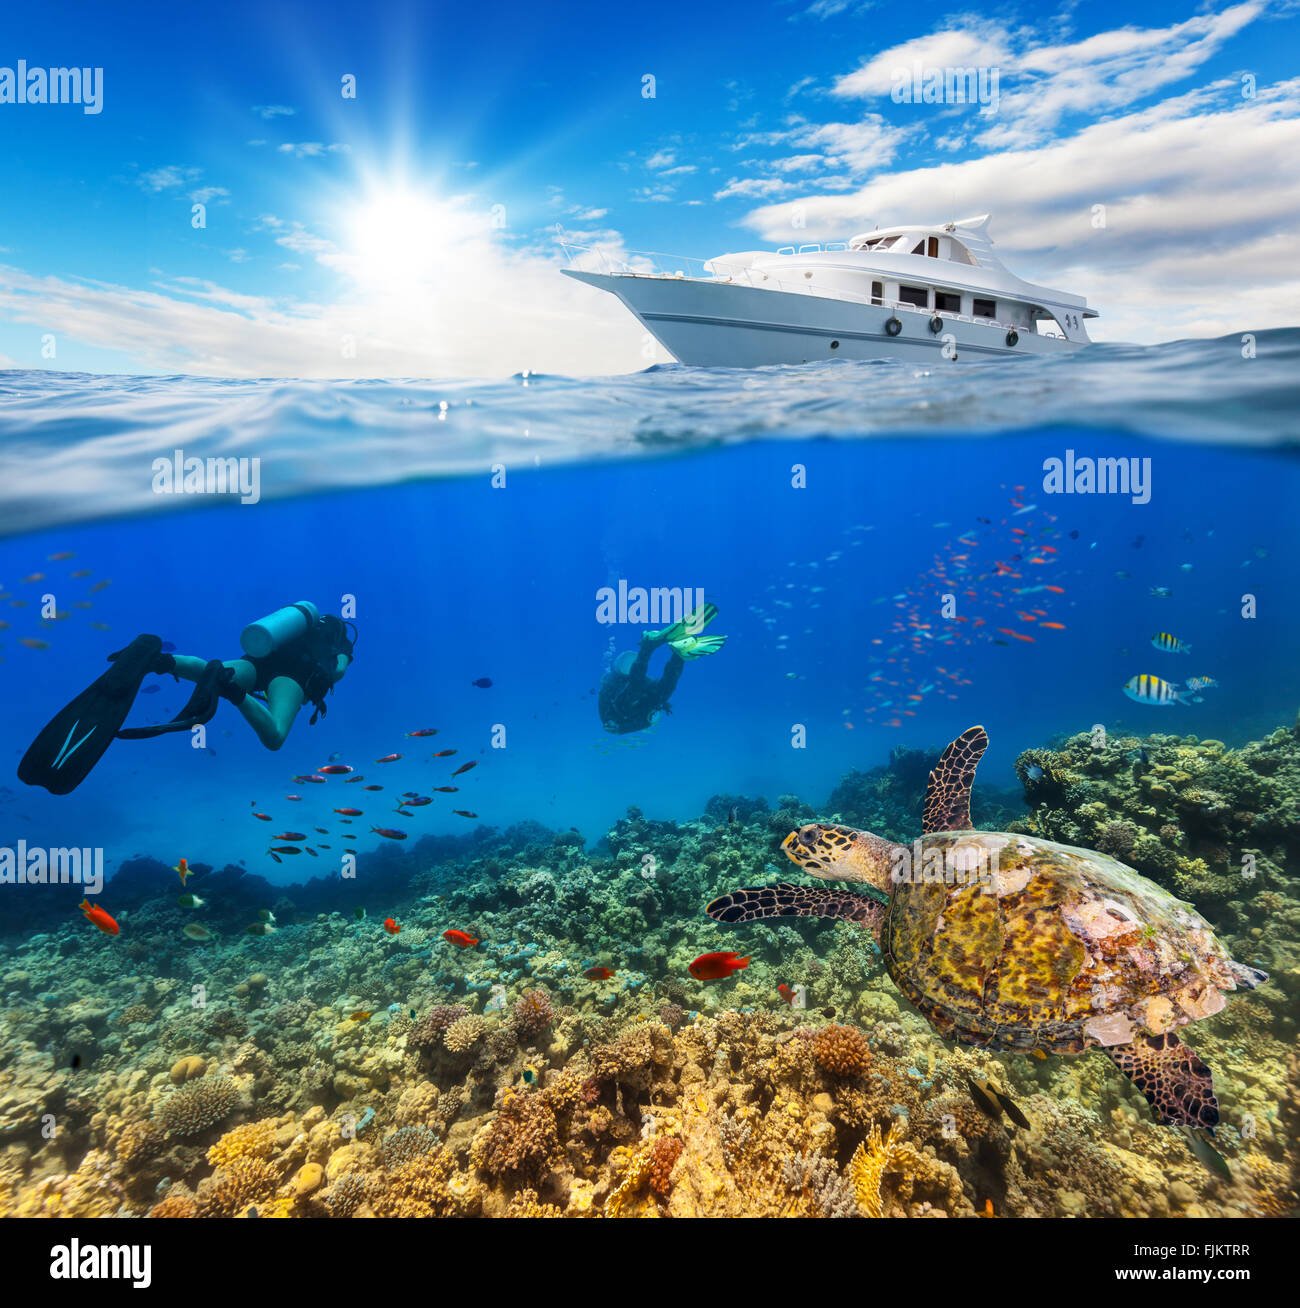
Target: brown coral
<point>464,1033</point>
<point>522,1138</point>
<point>198,1104</point>
<point>841,1050</point>
<point>664,1153</point>
<point>534,1012</point>
<point>236,1188</point>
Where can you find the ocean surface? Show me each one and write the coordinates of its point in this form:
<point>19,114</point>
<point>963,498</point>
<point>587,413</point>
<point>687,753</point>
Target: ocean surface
<point>887,560</point>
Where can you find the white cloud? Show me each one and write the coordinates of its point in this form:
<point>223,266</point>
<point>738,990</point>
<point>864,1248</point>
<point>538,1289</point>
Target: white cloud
<point>1200,196</point>
<point>661,159</point>
<point>312,149</point>
<point>481,309</point>
<point>167,178</point>
<point>269,111</point>
<point>206,194</point>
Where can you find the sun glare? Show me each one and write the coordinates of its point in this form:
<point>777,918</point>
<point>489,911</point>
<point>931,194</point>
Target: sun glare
<point>397,237</point>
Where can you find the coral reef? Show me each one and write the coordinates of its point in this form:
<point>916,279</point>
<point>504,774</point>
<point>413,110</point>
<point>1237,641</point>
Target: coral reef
<point>505,1082</point>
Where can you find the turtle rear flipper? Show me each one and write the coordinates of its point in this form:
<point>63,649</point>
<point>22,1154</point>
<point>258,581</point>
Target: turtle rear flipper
<point>1177,1085</point>
<point>947,795</point>
<point>788,900</point>
<point>1246,976</point>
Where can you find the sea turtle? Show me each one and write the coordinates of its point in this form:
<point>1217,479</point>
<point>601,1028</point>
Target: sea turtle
<point>1011,942</point>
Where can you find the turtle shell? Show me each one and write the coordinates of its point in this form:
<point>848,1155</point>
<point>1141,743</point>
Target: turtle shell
<point>1018,943</point>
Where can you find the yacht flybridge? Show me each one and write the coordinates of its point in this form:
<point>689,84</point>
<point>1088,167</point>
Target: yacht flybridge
<point>915,293</point>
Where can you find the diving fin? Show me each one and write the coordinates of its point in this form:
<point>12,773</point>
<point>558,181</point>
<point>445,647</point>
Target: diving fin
<point>691,625</point>
<point>213,683</point>
<point>74,740</point>
<point>696,647</point>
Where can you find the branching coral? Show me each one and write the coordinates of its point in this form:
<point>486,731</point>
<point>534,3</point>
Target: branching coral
<point>464,1033</point>
<point>533,1012</point>
<point>235,1188</point>
<point>427,1033</point>
<point>522,1137</point>
<point>197,1105</point>
<point>841,1050</point>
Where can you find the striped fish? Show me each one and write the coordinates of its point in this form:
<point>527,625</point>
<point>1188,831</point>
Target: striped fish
<point>1153,690</point>
<point>1162,640</point>
<point>1200,683</point>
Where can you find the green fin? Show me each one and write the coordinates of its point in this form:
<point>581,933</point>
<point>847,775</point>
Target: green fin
<point>693,624</point>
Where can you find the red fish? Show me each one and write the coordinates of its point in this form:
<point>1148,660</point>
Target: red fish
<point>424,731</point>
<point>262,817</point>
<point>1055,626</point>
<point>391,832</point>
<point>316,781</point>
<point>465,767</point>
<point>372,786</point>
<point>349,812</point>
<point>97,917</point>
<point>388,758</point>
<point>296,799</point>
<point>182,870</point>
<point>461,938</point>
<point>716,966</point>
<point>334,770</point>
<point>464,812</point>
<point>786,993</point>
<point>391,927</point>
<point>443,753</point>
<point>291,835</point>
<point>447,790</point>
<point>598,973</point>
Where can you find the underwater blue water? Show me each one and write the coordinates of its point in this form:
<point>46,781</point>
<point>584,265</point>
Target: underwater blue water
<point>369,494</point>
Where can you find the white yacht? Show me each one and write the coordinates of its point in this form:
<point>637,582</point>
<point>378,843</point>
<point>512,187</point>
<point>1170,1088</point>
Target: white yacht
<point>921,294</point>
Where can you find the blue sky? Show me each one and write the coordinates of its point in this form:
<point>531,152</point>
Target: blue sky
<point>409,231</point>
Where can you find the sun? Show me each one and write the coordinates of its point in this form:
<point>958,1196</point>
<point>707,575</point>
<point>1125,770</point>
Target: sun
<point>397,236</point>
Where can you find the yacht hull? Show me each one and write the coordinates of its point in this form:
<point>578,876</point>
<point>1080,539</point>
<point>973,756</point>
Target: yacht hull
<point>719,325</point>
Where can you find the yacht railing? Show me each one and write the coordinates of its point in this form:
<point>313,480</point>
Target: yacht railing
<point>675,267</point>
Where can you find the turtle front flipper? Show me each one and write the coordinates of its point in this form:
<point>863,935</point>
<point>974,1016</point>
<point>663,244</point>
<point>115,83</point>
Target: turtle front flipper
<point>788,900</point>
<point>947,795</point>
<point>1177,1085</point>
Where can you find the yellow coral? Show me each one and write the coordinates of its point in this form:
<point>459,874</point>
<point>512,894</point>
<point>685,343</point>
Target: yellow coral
<point>872,1159</point>
<point>252,1140</point>
<point>637,1171</point>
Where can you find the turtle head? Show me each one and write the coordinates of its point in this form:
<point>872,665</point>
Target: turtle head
<point>842,854</point>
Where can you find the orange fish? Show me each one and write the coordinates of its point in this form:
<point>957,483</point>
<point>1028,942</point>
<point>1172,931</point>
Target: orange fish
<point>35,576</point>
<point>391,927</point>
<point>598,973</point>
<point>349,812</point>
<point>1055,626</point>
<point>465,767</point>
<point>32,643</point>
<point>97,917</point>
<point>1059,590</point>
<point>716,966</point>
<point>362,1014</point>
<point>786,993</point>
<point>388,758</point>
<point>182,870</point>
<point>262,817</point>
<point>461,938</point>
<point>334,770</point>
<point>443,753</point>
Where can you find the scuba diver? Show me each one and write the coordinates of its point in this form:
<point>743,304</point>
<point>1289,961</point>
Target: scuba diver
<point>291,657</point>
<point>630,699</point>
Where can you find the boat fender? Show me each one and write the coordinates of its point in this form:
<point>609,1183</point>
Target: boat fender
<point>1013,337</point>
<point>893,326</point>
<point>936,324</point>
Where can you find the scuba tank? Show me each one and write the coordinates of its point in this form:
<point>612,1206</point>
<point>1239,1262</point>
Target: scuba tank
<point>268,634</point>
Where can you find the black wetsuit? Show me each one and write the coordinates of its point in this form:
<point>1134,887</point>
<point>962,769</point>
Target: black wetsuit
<point>630,700</point>
<point>310,659</point>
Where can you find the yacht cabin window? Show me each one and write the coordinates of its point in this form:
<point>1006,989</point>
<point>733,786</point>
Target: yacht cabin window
<point>947,301</point>
<point>917,295</point>
<point>877,292</point>
<point>984,308</point>
<point>933,247</point>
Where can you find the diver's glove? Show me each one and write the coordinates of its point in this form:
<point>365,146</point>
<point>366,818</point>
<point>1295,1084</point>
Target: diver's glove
<point>696,647</point>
